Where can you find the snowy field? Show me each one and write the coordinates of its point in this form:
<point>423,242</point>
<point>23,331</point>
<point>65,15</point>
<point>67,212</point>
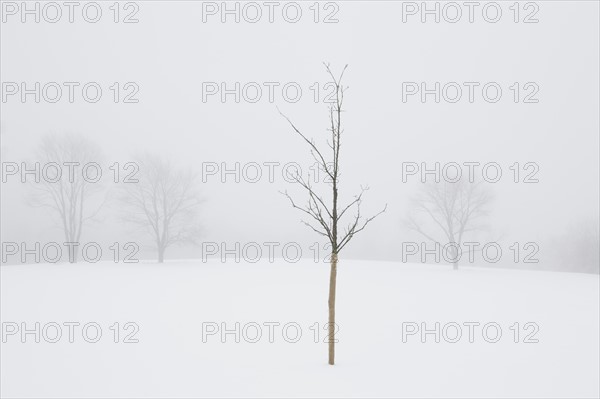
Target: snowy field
<point>172,302</point>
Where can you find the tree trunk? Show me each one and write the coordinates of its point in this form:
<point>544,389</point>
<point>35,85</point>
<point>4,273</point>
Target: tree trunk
<point>161,255</point>
<point>72,253</point>
<point>455,254</point>
<point>331,324</point>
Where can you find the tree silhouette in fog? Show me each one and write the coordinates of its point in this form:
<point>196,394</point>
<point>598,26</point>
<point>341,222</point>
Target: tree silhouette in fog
<point>67,190</point>
<point>164,203</point>
<point>449,210</point>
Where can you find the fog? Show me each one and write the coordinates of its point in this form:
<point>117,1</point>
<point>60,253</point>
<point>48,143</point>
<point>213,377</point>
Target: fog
<point>173,57</point>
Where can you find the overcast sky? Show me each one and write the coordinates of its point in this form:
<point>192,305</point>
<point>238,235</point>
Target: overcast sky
<point>171,52</point>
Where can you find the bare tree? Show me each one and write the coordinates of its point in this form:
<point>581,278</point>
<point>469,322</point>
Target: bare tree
<point>66,188</point>
<point>2,134</point>
<point>164,202</point>
<point>587,246</point>
<point>577,247</point>
<point>324,219</point>
<point>454,208</point>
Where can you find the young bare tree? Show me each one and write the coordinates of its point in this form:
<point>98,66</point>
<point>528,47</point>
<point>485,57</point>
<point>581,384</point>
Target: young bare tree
<point>325,219</point>
<point>454,208</point>
<point>164,202</point>
<point>66,188</point>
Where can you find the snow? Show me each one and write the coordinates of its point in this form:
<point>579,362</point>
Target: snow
<point>170,303</point>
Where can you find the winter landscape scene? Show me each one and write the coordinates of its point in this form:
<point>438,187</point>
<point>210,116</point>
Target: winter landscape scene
<point>379,199</point>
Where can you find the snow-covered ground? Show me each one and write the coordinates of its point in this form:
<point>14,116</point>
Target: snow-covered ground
<point>170,303</point>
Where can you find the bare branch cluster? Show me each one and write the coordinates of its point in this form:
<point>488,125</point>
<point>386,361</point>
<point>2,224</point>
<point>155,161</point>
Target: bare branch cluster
<point>68,196</point>
<point>164,201</point>
<point>321,217</point>
<point>454,207</point>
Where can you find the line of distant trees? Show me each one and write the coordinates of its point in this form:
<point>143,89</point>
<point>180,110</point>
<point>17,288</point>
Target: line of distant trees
<point>164,205</point>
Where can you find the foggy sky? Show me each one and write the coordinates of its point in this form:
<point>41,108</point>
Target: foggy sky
<point>171,52</point>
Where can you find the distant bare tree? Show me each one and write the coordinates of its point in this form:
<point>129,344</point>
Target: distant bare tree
<point>67,191</point>
<point>588,246</point>
<point>578,247</point>
<point>164,202</point>
<point>325,219</point>
<point>2,134</point>
<point>455,208</point>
